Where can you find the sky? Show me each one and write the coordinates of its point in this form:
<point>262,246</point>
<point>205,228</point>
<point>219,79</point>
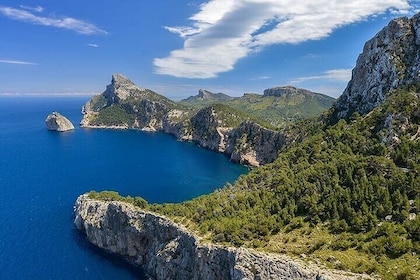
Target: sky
<point>176,48</point>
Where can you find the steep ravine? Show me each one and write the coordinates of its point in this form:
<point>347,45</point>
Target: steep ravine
<point>167,250</point>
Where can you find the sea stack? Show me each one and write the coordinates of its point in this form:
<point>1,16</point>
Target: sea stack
<point>57,122</point>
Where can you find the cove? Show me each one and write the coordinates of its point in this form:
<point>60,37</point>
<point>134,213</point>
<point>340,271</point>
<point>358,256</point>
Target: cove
<point>43,172</point>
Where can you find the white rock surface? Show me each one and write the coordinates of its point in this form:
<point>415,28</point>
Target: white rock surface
<point>389,60</point>
<point>57,122</point>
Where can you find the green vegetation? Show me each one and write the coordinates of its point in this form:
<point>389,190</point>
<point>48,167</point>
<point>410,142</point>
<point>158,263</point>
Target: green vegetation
<point>98,102</point>
<point>284,110</point>
<point>273,110</point>
<point>344,195</point>
<point>113,115</point>
<point>232,117</point>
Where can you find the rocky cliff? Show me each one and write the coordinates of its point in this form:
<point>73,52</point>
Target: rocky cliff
<point>167,250</point>
<point>125,105</point>
<point>389,61</point>
<point>216,127</point>
<point>220,128</point>
<point>57,122</point>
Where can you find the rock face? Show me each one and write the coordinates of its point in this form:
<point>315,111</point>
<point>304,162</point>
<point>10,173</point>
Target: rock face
<point>252,144</point>
<point>166,250</point>
<point>389,61</point>
<point>57,122</point>
<point>247,143</point>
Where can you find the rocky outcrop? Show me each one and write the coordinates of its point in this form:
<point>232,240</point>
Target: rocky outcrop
<point>255,145</point>
<point>57,122</point>
<point>247,142</point>
<point>389,61</point>
<point>167,250</point>
<point>145,106</point>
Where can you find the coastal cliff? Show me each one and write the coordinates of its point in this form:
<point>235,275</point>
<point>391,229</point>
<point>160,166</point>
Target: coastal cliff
<point>167,250</point>
<point>217,127</point>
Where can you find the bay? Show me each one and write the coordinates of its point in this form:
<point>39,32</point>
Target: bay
<point>42,173</point>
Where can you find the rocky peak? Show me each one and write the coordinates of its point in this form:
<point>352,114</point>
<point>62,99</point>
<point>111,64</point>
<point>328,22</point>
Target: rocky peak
<point>286,91</point>
<point>120,88</point>
<point>205,94</point>
<point>390,60</point>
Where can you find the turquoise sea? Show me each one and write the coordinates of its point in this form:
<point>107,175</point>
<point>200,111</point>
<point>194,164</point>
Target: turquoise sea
<point>43,172</point>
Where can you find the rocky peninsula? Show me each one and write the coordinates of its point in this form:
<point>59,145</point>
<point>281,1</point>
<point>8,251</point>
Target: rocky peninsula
<point>167,250</point>
<point>57,122</point>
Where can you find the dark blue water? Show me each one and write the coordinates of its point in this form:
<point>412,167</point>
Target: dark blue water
<point>43,172</point>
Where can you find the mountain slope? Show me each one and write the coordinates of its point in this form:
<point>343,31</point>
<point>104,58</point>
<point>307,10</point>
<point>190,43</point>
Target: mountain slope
<point>345,196</point>
<point>281,106</point>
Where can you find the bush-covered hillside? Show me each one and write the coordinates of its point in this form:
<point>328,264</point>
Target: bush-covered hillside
<point>348,195</point>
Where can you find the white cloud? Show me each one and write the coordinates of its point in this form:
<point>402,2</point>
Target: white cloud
<point>37,9</point>
<point>16,62</point>
<point>69,23</point>
<point>260,78</point>
<point>338,75</point>
<point>92,45</point>
<point>225,31</point>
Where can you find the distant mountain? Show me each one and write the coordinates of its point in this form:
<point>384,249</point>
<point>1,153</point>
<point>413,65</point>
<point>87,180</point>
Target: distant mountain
<point>205,97</point>
<point>278,106</point>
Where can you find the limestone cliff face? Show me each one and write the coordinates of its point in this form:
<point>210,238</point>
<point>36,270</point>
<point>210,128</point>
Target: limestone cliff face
<point>253,144</point>
<point>205,127</point>
<point>389,61</point>
<point>167,250</point>
<point>247,142</point>
<point>57,122</point>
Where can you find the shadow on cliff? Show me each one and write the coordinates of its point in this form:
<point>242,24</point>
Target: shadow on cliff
<point>85,245</point>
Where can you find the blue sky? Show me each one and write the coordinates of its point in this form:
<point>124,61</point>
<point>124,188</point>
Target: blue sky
<point>178,47</point>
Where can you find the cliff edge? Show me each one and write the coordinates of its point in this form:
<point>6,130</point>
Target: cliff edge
<point>167,250</point>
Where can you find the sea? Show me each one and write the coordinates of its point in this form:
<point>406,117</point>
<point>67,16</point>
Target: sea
<point>43,172</point>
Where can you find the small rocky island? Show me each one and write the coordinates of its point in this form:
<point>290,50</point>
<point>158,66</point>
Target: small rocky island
<point>57,122</point>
